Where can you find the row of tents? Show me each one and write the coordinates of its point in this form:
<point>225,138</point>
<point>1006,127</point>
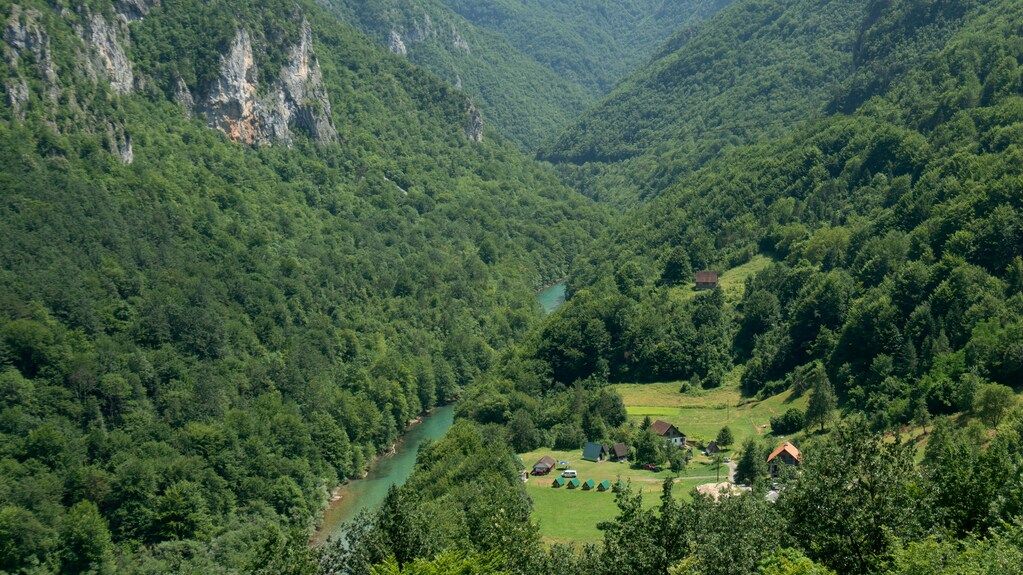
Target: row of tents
<point>587,485</point>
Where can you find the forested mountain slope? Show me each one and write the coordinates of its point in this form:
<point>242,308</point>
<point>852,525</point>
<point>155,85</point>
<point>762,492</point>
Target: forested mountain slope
<point>593,43</point>
<point>897,234</point>
<point>533,66</point>
<point>242,247</point>
<point>752,71</point>
<point>890,295</point>
<point>523,99</point>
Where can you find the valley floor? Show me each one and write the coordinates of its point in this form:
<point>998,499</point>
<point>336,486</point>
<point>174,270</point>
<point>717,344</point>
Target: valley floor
<point>571,515</point>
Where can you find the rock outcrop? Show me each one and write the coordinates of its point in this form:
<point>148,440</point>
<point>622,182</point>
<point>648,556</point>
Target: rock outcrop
<point>100,57</point>
<point>107,51</point>
<point>131,10</point>
<point>458,41</point>
<point>26,39</point>
<point>414,30</point>
<point>249,113</point>
<point>119,143</point>
<point>305,95</point>
<point>182,95</point>
<point>396,44</point>
<point>474,123</point>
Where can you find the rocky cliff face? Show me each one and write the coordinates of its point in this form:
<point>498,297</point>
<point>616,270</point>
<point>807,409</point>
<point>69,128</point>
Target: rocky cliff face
<point>415,30</point>
<point>304,91</point>
<point>236,103</point>
<point>474,123</point>
<point>26,40</point>
<point>249,113</point>
<point>458,41</point>
<point>107,56</point>
<point>100,57</point>
<point>132,10</point>
<point>396,44</point>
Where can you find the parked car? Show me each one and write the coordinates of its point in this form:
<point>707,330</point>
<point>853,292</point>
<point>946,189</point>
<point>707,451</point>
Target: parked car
<point>569,474</point>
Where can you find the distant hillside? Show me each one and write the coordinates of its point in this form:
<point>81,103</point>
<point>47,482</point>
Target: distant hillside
<point>755,69</point>
<point>243,246</point>
<point>897,230</point>
<point>593,43</point>
<point>532,67</point>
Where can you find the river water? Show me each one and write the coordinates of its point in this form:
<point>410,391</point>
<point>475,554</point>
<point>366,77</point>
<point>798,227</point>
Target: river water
<point>395,468</point>
<point>552,298</point>
<point>389,470</point>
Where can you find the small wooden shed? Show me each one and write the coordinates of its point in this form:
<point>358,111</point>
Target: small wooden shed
<point>544,465</point>
<point>558,482</point>
<point>589,484</point>
<point>706,279</point>
<point>573,483</point>
<point>604,485</point>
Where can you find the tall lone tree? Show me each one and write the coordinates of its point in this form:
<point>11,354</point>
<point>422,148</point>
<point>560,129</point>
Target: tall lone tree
<point>752,464</point>
<point>725,437</point>
<point>822,401</point>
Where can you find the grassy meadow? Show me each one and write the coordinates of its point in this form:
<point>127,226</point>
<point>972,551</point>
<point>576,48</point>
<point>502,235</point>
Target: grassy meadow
<point>701,414</point>
<point>571,515</point>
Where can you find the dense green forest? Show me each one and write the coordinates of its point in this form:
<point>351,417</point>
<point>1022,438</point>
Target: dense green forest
<point>751,72</point>
<point>244,245</point>
<point>895,233</point>
<point>891,221</point>
<point>533,66</point>
<point>198,341</point>
<point>593,43</point>
<point>522,98</point>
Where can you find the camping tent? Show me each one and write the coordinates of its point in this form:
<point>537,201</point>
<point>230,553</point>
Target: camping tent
<point>558,482</point>
<point>604,485</point>
<point>573,483</point>
<point>589,484</point>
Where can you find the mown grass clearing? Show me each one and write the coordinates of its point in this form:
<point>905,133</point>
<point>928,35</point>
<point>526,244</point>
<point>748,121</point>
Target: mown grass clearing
<point>701,414</point>
<point>571,515</point>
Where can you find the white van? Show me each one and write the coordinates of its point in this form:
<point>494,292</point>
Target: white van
<point>569,474</point>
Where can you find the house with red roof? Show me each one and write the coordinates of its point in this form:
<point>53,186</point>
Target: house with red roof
<point>668,432</point>
<point>784,454</point>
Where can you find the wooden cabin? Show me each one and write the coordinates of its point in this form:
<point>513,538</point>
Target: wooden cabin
<point>706,280</point>
<point>544,466</point>
<point>668,432</point>
<point>784,454</point>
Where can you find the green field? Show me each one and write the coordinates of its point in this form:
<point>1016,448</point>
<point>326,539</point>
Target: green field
<point>701,414</point>
<point>732,282</point>
<point>571,515</point>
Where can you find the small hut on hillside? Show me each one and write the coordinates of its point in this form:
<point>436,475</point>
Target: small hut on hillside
<point>573,483</point>
<point>706,280</point>
<point>558,482</point>
<point>589,484</point>
<point>604,485</point>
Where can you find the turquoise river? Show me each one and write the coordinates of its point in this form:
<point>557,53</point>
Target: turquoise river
<point>394,468</point>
